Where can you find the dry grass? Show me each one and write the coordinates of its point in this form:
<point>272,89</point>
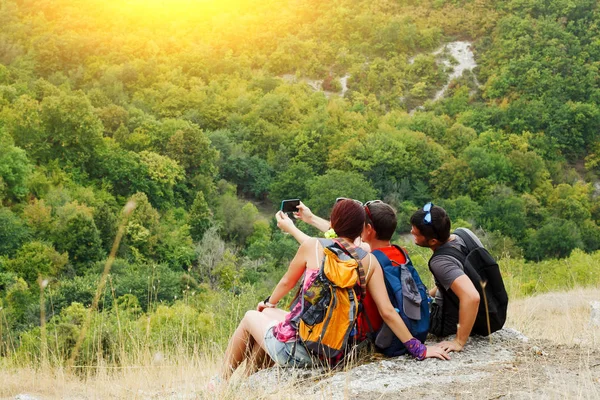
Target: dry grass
<point>159,378</point>
<point>560,318</point>
<point>184,378</point>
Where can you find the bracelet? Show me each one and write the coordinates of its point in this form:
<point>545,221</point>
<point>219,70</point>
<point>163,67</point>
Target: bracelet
<point>268,304</point>
<point>416,348</point>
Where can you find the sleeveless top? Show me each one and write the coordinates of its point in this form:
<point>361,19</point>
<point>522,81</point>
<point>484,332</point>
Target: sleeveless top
<point>285,331</point>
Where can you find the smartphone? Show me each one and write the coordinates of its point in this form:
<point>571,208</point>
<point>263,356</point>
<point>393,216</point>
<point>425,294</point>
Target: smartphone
<point>290,207</point>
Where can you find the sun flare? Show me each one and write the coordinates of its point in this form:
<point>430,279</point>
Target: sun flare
<point>187,9</point>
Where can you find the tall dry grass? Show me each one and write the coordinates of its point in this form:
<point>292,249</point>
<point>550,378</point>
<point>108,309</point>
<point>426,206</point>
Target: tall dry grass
<point>561,318</point>
<point>571,368</point>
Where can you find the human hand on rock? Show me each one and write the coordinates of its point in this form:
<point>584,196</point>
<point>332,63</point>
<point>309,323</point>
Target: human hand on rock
<point>453,345</point>
<point>436,352</point>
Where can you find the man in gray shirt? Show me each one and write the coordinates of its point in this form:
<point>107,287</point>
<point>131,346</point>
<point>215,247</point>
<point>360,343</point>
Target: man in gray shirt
<point>431,228</point>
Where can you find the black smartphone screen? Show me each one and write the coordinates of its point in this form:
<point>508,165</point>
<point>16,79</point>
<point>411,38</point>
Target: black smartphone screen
<point>289,207</point>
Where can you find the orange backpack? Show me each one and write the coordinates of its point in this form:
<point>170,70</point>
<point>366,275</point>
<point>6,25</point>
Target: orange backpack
<point>331,304</point>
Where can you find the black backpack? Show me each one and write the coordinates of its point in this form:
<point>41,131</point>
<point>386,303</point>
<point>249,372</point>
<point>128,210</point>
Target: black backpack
<point>482,269</point>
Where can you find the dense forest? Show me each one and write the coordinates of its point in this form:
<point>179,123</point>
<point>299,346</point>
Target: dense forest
<point>199,111</point>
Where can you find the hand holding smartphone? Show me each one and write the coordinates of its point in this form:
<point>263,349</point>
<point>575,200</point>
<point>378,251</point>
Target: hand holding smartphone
<point>290,206</point>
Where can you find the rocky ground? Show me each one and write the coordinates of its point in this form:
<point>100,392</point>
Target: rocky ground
<point>562,362</point>
<point>505,366</point>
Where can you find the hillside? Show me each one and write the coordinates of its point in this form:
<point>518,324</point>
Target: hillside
<point>206,114</point>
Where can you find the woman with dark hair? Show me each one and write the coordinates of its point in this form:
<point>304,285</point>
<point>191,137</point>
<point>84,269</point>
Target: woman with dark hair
<point>268,330</point>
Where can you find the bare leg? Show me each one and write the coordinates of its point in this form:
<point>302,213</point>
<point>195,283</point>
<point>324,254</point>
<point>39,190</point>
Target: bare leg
<point>275,313</point>
<point>258,359</point>
<point>250,331</point>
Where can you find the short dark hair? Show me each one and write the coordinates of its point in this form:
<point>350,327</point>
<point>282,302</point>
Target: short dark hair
<point>439,228</point>
<point>348,218</point>
<point>383,219</point>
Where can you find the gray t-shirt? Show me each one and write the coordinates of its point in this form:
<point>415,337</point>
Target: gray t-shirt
<point>447,268</point>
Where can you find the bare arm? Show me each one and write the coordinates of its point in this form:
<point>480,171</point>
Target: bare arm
<point>295,270</point>
<point>378,291</point>
<point>287,225</point>
<point>468,298</point>
<point>307,216</point>
<point>433,291</point>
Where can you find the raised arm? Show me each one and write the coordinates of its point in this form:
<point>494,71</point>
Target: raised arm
<point>287,225</point>
<point>307,216</point>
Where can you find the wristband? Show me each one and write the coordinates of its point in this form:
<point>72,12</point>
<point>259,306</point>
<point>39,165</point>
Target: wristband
<point>268,304</point>
<point>416,348</point>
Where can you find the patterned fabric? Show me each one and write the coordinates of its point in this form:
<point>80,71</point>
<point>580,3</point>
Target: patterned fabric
<point>285,330</point>
<point>416,348</point>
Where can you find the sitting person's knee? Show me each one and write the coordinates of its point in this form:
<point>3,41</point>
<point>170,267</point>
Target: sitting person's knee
<point>250,314</point>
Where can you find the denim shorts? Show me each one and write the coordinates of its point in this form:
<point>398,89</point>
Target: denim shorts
<point>281,352</point>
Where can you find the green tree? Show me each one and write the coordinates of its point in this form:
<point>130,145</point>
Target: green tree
<point>235,217</point>
<point>556,239</point>
<point>165,173</point>
<point>36,259</point>
<point>252,175</point>
<point>457,137</point>
<point>175,245</point>
<point>590,236</point>
<point>324,189</point>
<point>199,217</point>
<point>258,243</point>
<point>462,207</point>
<point>76,233</point>
<point>62,127</point>
<point>291,182</point>
<point>38,216</point>
<point>505,212</point>
<point>14,170</point>
<point>13,232</point>
<point>141,232</point>
<point>190,147</point>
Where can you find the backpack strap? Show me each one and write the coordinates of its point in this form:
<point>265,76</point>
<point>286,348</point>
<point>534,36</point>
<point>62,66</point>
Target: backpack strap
<point>354,252</point>
<point>404,253</point>
<point>411,297</point>
<point>452,252</point>
<point>469,241</point>
<point>448,295</point>
<point>384,261</point>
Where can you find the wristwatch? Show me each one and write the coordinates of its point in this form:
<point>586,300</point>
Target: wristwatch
<point>267,304</point>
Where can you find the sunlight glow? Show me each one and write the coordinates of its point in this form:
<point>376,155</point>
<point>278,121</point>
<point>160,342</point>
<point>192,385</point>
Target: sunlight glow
<point>166,9</point>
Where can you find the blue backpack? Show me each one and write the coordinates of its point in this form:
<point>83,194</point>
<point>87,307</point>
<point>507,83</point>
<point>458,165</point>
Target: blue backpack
<point>410,300</point>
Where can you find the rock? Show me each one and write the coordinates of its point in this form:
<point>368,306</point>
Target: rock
<point>536,350</point>
<point>595,314</point>
<point>25,396</point>
<point>389,376</point>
